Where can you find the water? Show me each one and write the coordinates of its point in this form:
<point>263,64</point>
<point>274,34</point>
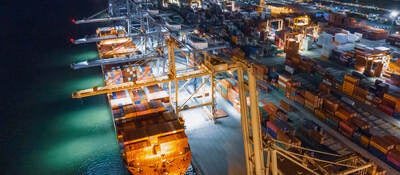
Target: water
<point>43,130</point>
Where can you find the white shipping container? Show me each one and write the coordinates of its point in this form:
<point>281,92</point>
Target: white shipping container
<point>324,39</point>
<point>353,38</point>
<point>341,38</point>
<point>346,47</point>
<point>359,35</point>
<point>282,84</point>
<point>307,44</point>
<point>289,69</point>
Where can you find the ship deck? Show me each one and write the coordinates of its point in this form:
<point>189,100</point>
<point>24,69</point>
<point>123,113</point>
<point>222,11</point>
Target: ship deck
<point>150,125</point>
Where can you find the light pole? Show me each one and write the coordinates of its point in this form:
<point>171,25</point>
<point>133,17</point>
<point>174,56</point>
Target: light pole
<point>393,16</point>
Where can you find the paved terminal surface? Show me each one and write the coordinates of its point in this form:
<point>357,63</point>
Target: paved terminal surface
<point>216,148</point>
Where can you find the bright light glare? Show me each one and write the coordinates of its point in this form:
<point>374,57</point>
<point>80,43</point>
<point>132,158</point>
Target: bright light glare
<point>394,13</point>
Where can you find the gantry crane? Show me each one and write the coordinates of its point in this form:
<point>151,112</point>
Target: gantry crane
<point>256,148</point>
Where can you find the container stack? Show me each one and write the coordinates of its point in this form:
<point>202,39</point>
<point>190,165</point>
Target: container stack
<point>379,146</point>
<point>155,92</point>
<point>280,39</point>
<point>349,84</point>
<point>337,19</point>
<point>144,72</point>
<point>222,87</point>
<point>346,128</point>
<point>393,39</point>
<point>330,104</point>
<point>292,46</point>
<point>312,132</point>
<point>229,90</point>
<point>306,64</point>
<point>332,120</point>
<point>269,107</point>
<point>292,62</point>
<point>325,40</point>
<point>142,109</point>
<point>114,76</point>
<point>307,43</point>
<point>324,88</point>
<point>283,133</point>
<point>341,38</point>
<point>355,37</point>
<point>345,113</point>
<point>362,53</point>
<point>233,98</point>
<point>312,100</point>
<point>138,96</point>
<point>299,98</point>
<point>360,94</point>
<point>391,104</point>
<point>285,106</point>
<point>283,83</point>
<point>260,71</point>
<point>129,73</point>
<point>374,34</point>
<point>360,124</point>
<point>393,157</point>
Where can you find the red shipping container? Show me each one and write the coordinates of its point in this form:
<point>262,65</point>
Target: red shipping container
<point>347,128</point>
<point>394,157</point>
<point>271,126</point>
<point>386,109</point>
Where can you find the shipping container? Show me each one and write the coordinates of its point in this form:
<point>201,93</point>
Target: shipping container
<point>320,114</point>
<point>347,128</point>
<point>348,101</point>
<point>270,107</point>
<point>285,106</point>
<point>393,158</point>
<point>360,123</point>
<point>330,104</point>
<point>345,113</point>
<point>333,121</point>
<point>379,146</point>
<point>393,140</point>
<point>386,109</point>
<point>299,99</point>
<point>362,138</point>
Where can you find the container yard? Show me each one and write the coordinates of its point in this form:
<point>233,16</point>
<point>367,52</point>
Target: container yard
<point>232,87</point>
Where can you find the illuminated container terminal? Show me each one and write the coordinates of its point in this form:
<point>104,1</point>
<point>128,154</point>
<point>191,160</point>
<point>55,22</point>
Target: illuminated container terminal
<point>274,64</point>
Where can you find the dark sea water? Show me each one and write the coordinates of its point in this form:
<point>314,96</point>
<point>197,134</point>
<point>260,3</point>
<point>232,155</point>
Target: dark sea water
<point>43,130</point>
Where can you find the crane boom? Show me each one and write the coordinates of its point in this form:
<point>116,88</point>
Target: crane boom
<point>96,20</point>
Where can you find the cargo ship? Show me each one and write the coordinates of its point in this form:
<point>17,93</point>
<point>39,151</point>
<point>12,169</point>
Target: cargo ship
<point>151,137</point>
